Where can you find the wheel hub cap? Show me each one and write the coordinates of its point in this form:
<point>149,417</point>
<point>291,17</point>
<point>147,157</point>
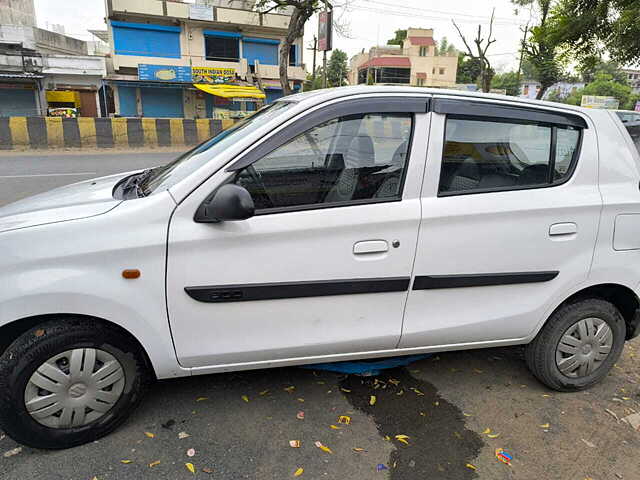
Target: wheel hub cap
<point>74,388</point>
<point>583,347</point>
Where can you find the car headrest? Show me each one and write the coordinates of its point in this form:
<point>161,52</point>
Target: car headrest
<point>361,153</point>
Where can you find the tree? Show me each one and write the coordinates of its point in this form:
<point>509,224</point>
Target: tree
<point>599,26</point>
<point>302,12</point>
<point>314,83</point>
<point>507,81</point>
<point>592,66</point>
<point>443,47</point>
<point>605,85</point>
<point>337,69</point>
<point>468,69</point>
<point>482,46</point>
<point>542,48</point>
<point>400,37</point>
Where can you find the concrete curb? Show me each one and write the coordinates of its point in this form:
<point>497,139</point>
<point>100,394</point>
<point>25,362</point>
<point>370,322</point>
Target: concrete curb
<point>87,132</point>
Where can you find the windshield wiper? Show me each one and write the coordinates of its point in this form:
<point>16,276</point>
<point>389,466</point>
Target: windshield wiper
<point>136,182</point>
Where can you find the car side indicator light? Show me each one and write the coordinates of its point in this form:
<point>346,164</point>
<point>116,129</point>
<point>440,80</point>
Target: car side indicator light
<point>131,274</point>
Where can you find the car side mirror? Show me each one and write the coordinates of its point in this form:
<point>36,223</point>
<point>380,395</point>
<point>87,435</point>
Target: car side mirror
<point>230,202</point>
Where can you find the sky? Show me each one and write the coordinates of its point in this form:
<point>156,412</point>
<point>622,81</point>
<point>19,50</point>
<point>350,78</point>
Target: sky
<point>368,22</point>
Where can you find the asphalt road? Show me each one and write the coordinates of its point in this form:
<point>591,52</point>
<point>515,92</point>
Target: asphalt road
<point>456,409</point>
<point>22,175</point>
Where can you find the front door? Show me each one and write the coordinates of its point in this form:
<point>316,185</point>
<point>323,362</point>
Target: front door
<point>324,267</point>
<point>510,212</point>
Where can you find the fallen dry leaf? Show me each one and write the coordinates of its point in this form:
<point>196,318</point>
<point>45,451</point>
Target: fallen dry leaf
<point>471,466</point>
<point>190,467</point>
<point>401,392</point>
<point>344,419</point>
<point>345,390</point>
<point>126,461</point>
<point>153,464</point>
<point>201,399</point>
<point>394,381</point>
<point>588,443</point>
<point>335,427</point>
<point>289,389</point>
<point>486,431</point>
<point>183,435</point>
<point>402,439</point>
<point>149,434</point>
<point>245,398</point>
<point>301,400</point>
<point>264,392</point>
<point>359,450</point>
<point>545,425</point>
<point>372,400</point>
<point>493,435</point>
<point>298,472</point>
<point>207,470</point>
<point>12,452</point>
<point>322,447</point>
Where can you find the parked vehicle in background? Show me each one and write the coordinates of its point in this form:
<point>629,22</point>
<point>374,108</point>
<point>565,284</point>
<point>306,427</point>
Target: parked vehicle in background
<point>631,121</point>
<point>338,224</point>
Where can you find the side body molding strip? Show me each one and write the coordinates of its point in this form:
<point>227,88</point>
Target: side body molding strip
<point>274,291</point>
<point>430,282</point>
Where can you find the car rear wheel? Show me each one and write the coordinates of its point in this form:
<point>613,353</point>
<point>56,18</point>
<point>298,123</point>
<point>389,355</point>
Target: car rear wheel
<point>69,381</point>
<point>578,345</point>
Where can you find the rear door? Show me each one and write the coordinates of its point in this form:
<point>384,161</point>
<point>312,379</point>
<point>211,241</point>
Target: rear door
<point>510,212</point>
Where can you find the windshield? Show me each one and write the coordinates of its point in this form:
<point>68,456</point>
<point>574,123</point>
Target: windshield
<point>164,177</point>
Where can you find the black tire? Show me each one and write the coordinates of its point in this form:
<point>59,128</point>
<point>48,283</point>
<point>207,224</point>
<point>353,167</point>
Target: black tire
<point>540,354</point>
<point>43,342</point>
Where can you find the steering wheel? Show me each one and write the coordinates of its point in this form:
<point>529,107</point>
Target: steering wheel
<point>261,191</point>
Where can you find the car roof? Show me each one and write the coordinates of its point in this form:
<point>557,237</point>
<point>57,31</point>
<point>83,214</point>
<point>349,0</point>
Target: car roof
<point>319,96</point>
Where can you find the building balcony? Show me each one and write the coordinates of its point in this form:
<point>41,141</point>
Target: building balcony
<point>236,12</point>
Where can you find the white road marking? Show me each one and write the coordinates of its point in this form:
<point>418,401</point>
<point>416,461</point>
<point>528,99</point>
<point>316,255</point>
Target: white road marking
<point>79,174</point>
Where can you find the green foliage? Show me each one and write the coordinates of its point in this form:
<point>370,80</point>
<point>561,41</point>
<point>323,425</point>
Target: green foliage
<point>443,47</point>
<point>314,84</point>
<point>599,26</point>
<point>400,37</point>
<point>542,47</point>
<point>605,85</point>
<point>468,69</point>
<point>592,66</point>
<point>508,81</point>
<point>337,69</point>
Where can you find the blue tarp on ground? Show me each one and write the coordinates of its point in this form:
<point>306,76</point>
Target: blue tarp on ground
<point>367,368</point>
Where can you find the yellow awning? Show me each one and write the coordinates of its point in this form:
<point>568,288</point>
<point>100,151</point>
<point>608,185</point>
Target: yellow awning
<point>231,91</point>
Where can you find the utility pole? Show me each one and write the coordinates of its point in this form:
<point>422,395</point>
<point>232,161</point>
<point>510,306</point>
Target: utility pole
<point>524,40</point>
<point>315,52</point>
<point>324,53</point>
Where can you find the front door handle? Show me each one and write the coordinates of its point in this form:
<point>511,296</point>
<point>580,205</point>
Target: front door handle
<point>370,246</point>
<point>558,229</point>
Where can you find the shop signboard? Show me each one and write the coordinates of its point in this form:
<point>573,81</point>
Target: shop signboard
<point>595,101</point>
<point>164,73</point>
<point>213,75</point>
<point>325,31</point>
<point>201,12</point>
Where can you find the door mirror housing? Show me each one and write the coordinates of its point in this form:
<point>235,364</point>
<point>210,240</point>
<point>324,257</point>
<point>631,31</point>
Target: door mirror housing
<point>229,203</point>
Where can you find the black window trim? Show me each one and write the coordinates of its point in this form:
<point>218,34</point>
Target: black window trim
<point>361,106</point>
<point>523,121</point>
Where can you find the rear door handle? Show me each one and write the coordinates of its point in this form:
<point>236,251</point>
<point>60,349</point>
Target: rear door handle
<point>558,229</point>
<point>370,246</point>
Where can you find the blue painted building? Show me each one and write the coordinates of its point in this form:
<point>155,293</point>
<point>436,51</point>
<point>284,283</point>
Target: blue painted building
<point>160,49</point>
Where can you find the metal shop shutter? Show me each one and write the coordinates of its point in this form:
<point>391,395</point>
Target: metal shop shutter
<point>262,49</point>
<point>16,102</point>
<point>162,102</point>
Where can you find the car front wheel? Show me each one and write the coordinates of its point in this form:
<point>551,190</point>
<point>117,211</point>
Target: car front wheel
<point>69,381</point>
<point>578,345</point>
